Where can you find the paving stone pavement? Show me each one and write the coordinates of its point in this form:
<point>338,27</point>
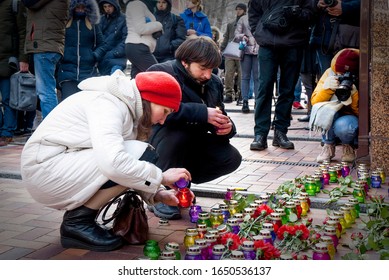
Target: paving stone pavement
<point>29,230</point>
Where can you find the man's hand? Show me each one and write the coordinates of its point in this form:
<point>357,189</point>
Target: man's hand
<point>221,122</point>
<point>336,10</point>
<point>23,66</point>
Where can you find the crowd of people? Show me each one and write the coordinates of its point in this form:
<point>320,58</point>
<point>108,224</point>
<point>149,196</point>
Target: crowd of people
<point>93,145</point>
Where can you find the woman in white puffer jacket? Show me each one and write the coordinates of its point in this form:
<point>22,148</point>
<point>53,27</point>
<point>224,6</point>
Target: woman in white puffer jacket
<point>88,150</point>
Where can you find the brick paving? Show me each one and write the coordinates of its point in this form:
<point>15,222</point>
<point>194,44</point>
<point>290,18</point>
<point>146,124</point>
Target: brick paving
<point>29,230</point>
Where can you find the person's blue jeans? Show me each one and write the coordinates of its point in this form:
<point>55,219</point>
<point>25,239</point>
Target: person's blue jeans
<point>344,127</point>
<point>45,65</point>
<point>297,90</point>
<point>248,65</point>
<point>9,117</point>
<point>289,61</point>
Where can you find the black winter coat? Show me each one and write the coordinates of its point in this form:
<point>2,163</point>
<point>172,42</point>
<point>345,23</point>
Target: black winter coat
<point>114,29</point>
<point>297,33</point>
<point>196,98</point>
<point>174,33</point>
<point>84,47</point>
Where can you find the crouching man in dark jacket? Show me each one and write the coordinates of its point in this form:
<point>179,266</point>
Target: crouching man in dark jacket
<point>197,136</point>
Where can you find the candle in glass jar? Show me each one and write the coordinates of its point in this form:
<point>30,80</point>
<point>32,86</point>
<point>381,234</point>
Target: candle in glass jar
<point>184,197</point>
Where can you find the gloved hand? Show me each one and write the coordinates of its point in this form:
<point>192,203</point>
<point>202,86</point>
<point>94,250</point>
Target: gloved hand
<point>331,82</point>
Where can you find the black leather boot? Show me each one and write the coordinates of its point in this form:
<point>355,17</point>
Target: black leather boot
<point>245,107</point>
<point>80,230</point>
<point>281,140</point>
<point>259,143</point>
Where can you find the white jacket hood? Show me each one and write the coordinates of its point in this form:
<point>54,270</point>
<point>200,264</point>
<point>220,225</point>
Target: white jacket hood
<point>119,85</point>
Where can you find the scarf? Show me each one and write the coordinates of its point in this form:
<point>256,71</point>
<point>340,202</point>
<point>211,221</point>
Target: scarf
<point>322,116</point>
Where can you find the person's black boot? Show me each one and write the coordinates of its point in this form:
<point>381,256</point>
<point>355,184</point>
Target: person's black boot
<point>245,107</point>
<point>259,143</point>
<point>80,230</point>
<point>281,140</point>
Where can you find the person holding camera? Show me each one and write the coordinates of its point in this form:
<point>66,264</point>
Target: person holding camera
<point>335,106</point>
<point>336,27</point>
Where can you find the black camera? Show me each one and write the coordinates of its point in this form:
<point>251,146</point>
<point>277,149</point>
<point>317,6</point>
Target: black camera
<point>346,81</point>
<point>331,3</point>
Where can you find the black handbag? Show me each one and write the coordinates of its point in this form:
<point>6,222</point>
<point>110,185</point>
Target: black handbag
<point>129,218</point>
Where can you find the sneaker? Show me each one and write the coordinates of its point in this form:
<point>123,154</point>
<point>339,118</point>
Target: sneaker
<point>327,153</point>
<point>348,153</point>
<point>4,141</point>
<point>297,105</point>
<point>164,211</point>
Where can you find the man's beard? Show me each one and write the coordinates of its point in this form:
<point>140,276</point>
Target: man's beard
<point>198,80</point>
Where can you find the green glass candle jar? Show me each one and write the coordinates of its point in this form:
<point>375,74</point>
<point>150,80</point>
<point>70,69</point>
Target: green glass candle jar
<point>317,181</point>
<point>284,218</point>
<point>355,202</point>
<point>151,249</point>
<point>333,174</point>
<point>319,173</point>
<point>291,211</point>
<point>204,219</point>
<point>174,247</point>
<point>359,192</point>
<point>310,186</point>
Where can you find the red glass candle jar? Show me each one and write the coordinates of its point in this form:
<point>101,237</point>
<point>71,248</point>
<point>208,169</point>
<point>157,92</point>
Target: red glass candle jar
<point>184,197</point>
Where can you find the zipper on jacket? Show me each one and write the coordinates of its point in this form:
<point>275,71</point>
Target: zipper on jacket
<point>78,49</point>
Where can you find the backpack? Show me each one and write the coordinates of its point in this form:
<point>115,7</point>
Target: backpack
<point>23,95</point>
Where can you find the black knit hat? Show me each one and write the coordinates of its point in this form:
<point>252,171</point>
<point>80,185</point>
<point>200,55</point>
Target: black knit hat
<point>241,6</point>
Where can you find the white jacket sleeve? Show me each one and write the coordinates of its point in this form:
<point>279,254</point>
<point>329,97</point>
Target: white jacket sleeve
<point>117,159</point>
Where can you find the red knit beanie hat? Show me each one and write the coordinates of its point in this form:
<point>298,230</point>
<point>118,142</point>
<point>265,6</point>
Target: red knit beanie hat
<point>160,88</point>
<point>347,60</point>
